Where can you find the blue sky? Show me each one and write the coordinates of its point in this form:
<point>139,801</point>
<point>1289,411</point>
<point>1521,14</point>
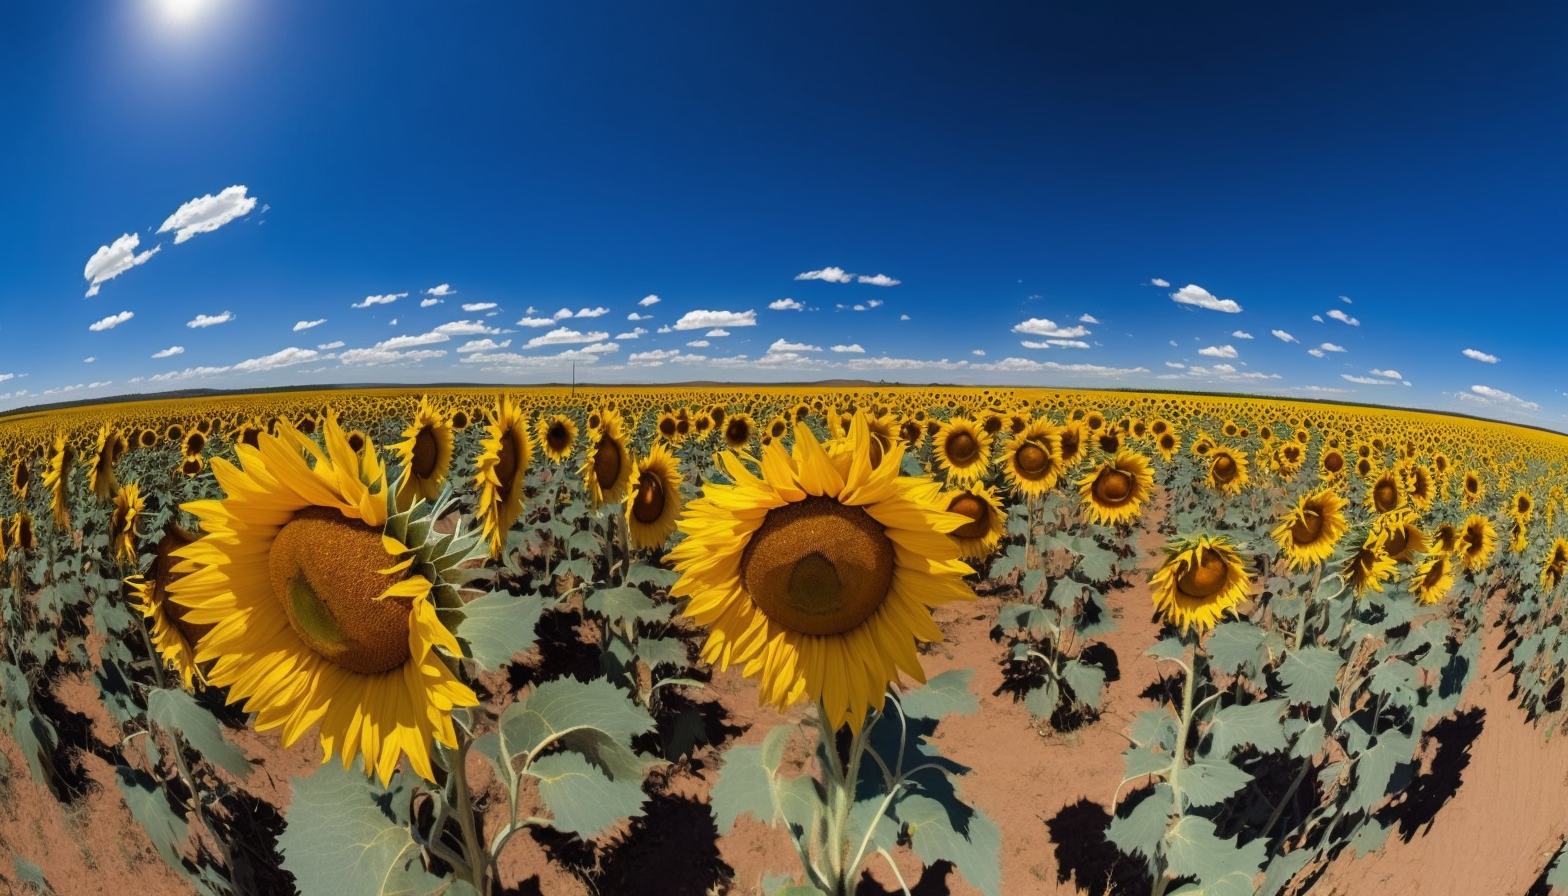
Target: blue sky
<point>235,193</point>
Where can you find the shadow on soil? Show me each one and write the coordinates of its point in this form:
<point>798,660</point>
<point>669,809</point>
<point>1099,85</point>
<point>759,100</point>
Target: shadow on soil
<point>676,836</point>
<point>1428,792</point>
<point>1088,860</point>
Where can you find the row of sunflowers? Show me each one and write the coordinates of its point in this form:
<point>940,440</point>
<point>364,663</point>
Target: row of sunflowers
<point>362,563</point>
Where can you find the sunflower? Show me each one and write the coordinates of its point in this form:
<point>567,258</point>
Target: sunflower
<point>62,457</point>
<point>1202,578</point>
<point>557,435</point>
<point>1033,460</point>
<point>20,476</point>
<point>607,470</point>
<point>1227,471</point>
<point>964,450</point>
<point>425,454</point>
<point>1445,538</point>
<point>667,427</point>
<point>739,430</point>
<point>1473,489</point>
<point>1418,486</point>
<point>1477,539</point>
<point>1312,529</point>
<point>248,432</point>
<point>1517,537</point>
<point>504,456</point>
<point>987,521</point>
<point>110,446</point>
<point>174,636</point>
<point>1368,567</point>
<point>1556,565</point>
<point>1433,578</point>
<point>1114,491</point>
<point>459,420</point>
<point>1386,494</point>
<point>123,522</point>
<point>195,441</point>
<point>322,607</point>
<point>1401,538</point>
<point>22,534</point>
<point>1288,458</point>
<point>192,465</point>
<point>819,575</point>
<point>1522,506</point>
<point>1168,443</point>
<point>1331,465</point>
<point>1070,437</point>
<point>655,499</point>
<point>357,440</point>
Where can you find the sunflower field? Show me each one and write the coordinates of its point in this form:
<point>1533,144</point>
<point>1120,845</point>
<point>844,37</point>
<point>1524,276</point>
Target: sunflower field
<point>620,640</point>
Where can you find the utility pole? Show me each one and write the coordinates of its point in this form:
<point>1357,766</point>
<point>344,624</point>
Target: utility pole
<point>574,379</point>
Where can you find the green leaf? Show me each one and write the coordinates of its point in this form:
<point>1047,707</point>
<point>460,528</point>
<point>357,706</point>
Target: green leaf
<point>1141,831</point>
<point>585,542</point>
<point>1369,837</point>
<point>1374,771</point>
<point>625,606</point>
<point>646,573</point>
<point>1140,761</point>
<point>1257,724</point>
<point>149,805</point>
<point>1211,783</point>
<point>499,626</point>
<point>30,874</point>
<point>662,651</point>
<point>564,704</point>
<point>1154,728</point>
<point>1283,869</point>
<point>1396,680</point>
<point>958,834</point>
<point>748,781</point>
<point>1168,649</point>
<point>348,836</point>
<point>583,800</point>
<point>1086,680</point>
<point>1309,741</point>
<point>178,711</point>
<point>1234,647</point>
<point>1309,675</point>
<point>864,813</point>
<point>1192,849</point>
<point>1043,700</point>
<point>1557,872</point>
<point>946,693</point>
<point>36,737</point>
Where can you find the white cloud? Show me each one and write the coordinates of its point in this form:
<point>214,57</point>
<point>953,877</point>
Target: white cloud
<point>878,280</point>
<point>1062,343</point>
<point>1481,356</point>
<point>1218,351</point>
<point>1501,397</point>
<point>1239,334</point>
<point>401,342</point>
<point>647,300</point>
<point>169,352</point>
<point>1175,366</point>
<point>282,358</point>
<point>1283,336</point>
<point>371,357</point>
<point>1025,364</point>
<point>589,312</point>
<point>631,334</point>
<point>1161,282</point>
<point>829,274</point>
<point>1366,380</point>
<point>1315,352</point>
<point>331,345</point>
<point>1331,347</point>
<point>426,303</point>
<point>387,299</point>
<point>715,333</point>
<point>538,322</point>
<point>1039,326</point>
<point>442,289</point>
<point>707,320</point>
<point>483,345</point>
<point>115,259</point>
<point>478,306</point>
<point>1391,374</point>
<point>307,324</point>
<point>1345,299</point>
<point>1193,294</point>
<point>1087,319</point>
<point>87,360</point>
<point>665,329</point>
<point>1224,368</point>
<point>903,317</point>
<point>980,352</point>
<point>208,213</point>
<point>565,336</point>
<point>112,321</point>
<point>785,305</point>
<point>209,320</point>
<point>1319,390</point>
<point>874,303</point>
<point>781,345</point>
<point>698,343</point>
<point>466,328</point>
<point>859,307</point>
<point>1318,318</point>
<point>1342,317</point>
<point>635,316</point>
<point>854,349</point>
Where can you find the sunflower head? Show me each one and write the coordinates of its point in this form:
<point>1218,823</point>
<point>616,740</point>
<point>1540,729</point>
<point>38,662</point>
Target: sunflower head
<point>1368,567</point>
<point>1399,535</point>
<point>1114,491</point>
<point>1332,464</point>
<point>192,465</point>
<point>987,521</point>
<point>557,435</point>
<point>1202,578</point>
<point>174,636</point>
<point>1433,578</point>
<point>739,430</point>
<point>1556,565</point>
<point>1033,460</point>
<point>1309,533</point>
<point>964,449</point>
<point>124,521</point>
<point>20,476</point>
<point>1167,443</point>
<point>1473,489</point>
<point>195,441</point>
<point>1227,471</point>
<point>1386,494</point>
<point>1070,436</point>
<point>655,499</point>
<point>1477,540</point>
<point>110,446</point>
<point>500,470</point>
<point>1521,506</point>
<point>607,469</point>
<point>425,455</point>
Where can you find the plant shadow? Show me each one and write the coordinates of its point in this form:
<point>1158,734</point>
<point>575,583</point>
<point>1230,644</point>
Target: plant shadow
<point>1086,858</point>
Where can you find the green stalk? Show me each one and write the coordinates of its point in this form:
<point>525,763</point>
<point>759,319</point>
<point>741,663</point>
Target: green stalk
<point>1162,881</point>
<point>474,854</point>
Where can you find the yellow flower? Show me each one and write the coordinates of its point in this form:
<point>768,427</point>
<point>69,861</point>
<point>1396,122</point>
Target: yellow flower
<point>1033,460</point>
<point>964,450</point>
<point>1312,529</point>
<point>655,499</point>
<point>1227,471</point>
<point>1114,491</point>
<point>557,435</point>
<point>987,521</point>
<point>1386,494</point>
<point>1477,539</point>
<point>607,470</point>
<point>499,471</point>
<point>123,522</point>
<point>62,457</point>
<point>425,454</point>
<point>1369,566</point>
<point>174,636</point>
<point>1399,535</point>
<point>1202,578</point>
<point>1433,578</point>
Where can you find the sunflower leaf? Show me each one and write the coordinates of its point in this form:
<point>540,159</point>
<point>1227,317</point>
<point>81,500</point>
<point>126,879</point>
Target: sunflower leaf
<point>1211,783</point>
<point>748,782</point>
<point>1309,675</point>
<point>1193,849</point>
<point>1043,700</point>
<point>178,711</point>
<point>658,576</point>
<point>1086,680</point>
<point>499,626</point>
<point>625,606</point>
<point>556,707</point>
<point>1257,724</point>
<point>946,693</point>
<point>149,805</point>
<point>662,651</point>
<point>1141,831</point>
<point>1235,647</point>
<point>1557,872</point>
<point>582,799</point>
<point>952,831</point>
<point>348,836</point>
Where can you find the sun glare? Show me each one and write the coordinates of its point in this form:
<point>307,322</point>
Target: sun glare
<point>182,13</point>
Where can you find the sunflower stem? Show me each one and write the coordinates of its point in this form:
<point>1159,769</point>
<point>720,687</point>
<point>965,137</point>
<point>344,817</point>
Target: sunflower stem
<point>473,854</point>
<point>1306,601</point>
<point>1162,880</point>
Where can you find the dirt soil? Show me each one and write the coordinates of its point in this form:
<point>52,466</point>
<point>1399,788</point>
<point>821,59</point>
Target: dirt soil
<point>1484,817</point>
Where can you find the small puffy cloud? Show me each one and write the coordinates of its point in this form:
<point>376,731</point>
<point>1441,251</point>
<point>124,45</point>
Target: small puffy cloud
<point>588,312</point>
<point>1197,296</point>
<point>1218,351</point>
<point>1481,356</point>
<point>1039,326</point>
<point>466,328</point>
<point>874,303</point>
<point>647,300</point>
<point>387,299</point>
<point>635,316</point>
<point>1318,318</point>
<point>979,352</point>
<point>483,345</point>
<point>854,349</point>
<point>1175,366</point>
<point>698,343</point>
<point>1087,319</point>
<point>1331,347</point>
<point>169,352</point>
<point>442,289</point>
<point>402,342</point>
<point>209,320</point>
<point>282,358</point>
<point>828,274</point>
<point>784,345</point>
<point>903,317</point>
<point>878,280</point>
<point>1391,374</point>
<point>1315,352</point>
<point>1366,380</point>
<point>565,336</point>
<point>1501,397</point>
<point>542,321</point>
<point>665,329</point>
<point>115,259</point>
<point>112,321</point>
<point>208,213</point>
<point>87,360</point>
<point>859,307</point>
<point>371,357</point>
<point>327,347</point>
<point>785,305</point>
<point>1283,336</point>
<point>1240,334</point>
<point>307,324</point>
<point>707,320</point>
<point>1344,318</point>
<point>1160,281</point>
<point>631,334</point>
<point>426,303</point>
<point>478,306</point>
<point>1345,299</point>
<point>715,333</point>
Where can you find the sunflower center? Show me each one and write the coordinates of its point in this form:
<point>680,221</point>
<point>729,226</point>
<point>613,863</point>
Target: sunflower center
<point>876,451</point>
<point>962,449</point>
<point>978,511</point>
<point>1385,496</point>
<point>556,438</point>
<point>506,461</point>
<point>736,432</point>
<point>1204,578</point>
<point>1224,468</point>
<point>1434,575</point>
<point>606,462</point>
<point>1396,542</point>
<point>1113,486</point>
<point>818,566</point>
<point>424,459</point>
<point>1334,462</point>
<point>1032,460</point>
<point>648,506</point>
<point>324,569</point>
<point>1306,530</point>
